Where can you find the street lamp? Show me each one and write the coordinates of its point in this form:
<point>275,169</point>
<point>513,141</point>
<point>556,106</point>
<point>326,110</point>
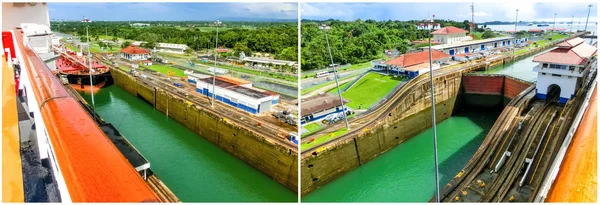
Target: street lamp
<point>87,36</point>
<point>554,24</point>
<point>516,17</point>
<point>212,103</point>
<point>571,27</point>
<point>325,28</point>
<point>433,125</point>
<point>588,17</point>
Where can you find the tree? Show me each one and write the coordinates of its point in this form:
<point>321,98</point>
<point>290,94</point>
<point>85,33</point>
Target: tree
<point>115,39</point>
<point>189,51</point>
<point>149,45</point>
<point>289,53</point>
<point>109,46</point>
<point>242,47</point>
<point>125,44</point>
<point>488,34</point>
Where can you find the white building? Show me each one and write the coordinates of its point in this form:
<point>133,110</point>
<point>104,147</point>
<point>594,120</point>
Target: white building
<point>428,25</point>
<point>414,64</point>
<point>134,53</point>
<point>563,68</point>
<point>139,24</point>
<point>476,45</point>
<point>171,48</point>
<point>238,93</point>
<point>318,107</point>
<point>450,34</point>
<point>265,62</point>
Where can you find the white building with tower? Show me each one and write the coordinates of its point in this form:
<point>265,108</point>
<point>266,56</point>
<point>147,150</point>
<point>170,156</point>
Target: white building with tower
<point>563,68</point>
<point>450,34</point>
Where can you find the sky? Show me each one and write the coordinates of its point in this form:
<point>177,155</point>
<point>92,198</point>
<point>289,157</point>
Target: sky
<point>484,12</point>
<point>172,11</point>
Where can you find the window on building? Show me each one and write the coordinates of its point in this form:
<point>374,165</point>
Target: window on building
<point>556,75</point>
<point>545,65</point>
<point>571,68</point>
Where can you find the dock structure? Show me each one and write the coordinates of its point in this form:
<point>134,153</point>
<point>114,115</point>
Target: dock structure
<point>383,127</point>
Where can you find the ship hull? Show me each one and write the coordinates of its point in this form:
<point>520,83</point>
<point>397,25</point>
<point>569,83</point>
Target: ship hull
<point>97,79</point>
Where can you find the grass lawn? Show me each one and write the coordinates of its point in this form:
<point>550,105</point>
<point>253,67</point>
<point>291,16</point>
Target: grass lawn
<point>312,74</point>
<point>164,68</point>
<point>73,48</point>
<point>370,89</point>
<point>124,68</point>
<point>96,49</point>
<point>292,78</point>
<point>319,140</point>
<point>342,86</point>
<point>556,36</point>
<point>312,127</point>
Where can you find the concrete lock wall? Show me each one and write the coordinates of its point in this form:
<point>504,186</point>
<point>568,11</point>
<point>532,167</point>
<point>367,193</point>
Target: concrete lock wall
<point>490,90</point>
<point>278,162</point>
<point>411,116</point>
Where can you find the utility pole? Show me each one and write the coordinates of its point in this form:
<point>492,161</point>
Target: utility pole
<point>554,24</point>
<point>516,22</point>
<point>90,64</point>
<point>212,103</point>
<point>325,28</point>
<point>571,27</point>
<point>433,121</point>
<point>588,17</point>
<point>472,18</point>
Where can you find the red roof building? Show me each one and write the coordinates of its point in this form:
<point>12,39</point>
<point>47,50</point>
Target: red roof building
<point>556,29</point>
<point>132,49</point>
<point>563,69</point>
<point>411,59</point>
<point>450,34</point>
<point>535,31</point>
<point>134,53</point>
<point>571,52</point>
<point>449,30</point>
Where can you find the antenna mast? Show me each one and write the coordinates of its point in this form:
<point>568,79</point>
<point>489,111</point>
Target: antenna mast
<point>472,18</point>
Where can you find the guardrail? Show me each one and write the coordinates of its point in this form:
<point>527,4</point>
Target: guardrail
<point>86,165</point>
<point>555,166</point>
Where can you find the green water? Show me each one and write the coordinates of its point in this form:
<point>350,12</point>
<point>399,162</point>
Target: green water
<point>193,168</point>
<point>521,69</point>
<point>406,172</point>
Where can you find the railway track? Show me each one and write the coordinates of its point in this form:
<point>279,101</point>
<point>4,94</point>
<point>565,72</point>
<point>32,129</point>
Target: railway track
<point>267,129</point>
<point>504,167</point>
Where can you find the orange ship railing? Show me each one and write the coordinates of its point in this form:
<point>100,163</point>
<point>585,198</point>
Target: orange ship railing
<point>577,180</point>
<point>92,167</point>
<point>12,178</point>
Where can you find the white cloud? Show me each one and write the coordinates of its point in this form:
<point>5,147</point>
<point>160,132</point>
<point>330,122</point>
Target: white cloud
<point>275,10</point>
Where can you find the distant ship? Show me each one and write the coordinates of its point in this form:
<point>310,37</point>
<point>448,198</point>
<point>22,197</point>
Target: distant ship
<point>529,24</point>
<point>543,25</point>
<point>77,71</point>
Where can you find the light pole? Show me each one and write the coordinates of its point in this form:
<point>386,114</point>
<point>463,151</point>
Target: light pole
<point>554,24</point>
<point>90,64</point>
<point>571,28</point>
<point>588,17</point>
<point>212,103</point>
<point>433,125</point>
<point>325,28</point>
<point>516,17</point>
